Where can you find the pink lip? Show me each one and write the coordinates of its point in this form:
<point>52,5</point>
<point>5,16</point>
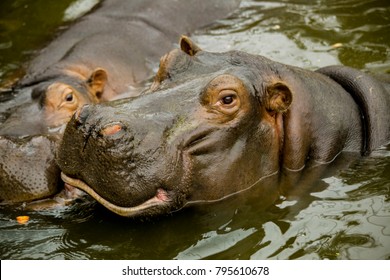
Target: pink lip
<point>161,198</point>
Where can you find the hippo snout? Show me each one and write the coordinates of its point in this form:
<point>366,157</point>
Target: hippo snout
<point>109,150</point>
<point>104,129</point>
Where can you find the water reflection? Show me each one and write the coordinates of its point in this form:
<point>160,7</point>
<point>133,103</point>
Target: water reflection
<point>309,34</point>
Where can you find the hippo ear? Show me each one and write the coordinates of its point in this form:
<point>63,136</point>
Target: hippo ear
<point>278,98</point>
<point>188,46</point>
<point>97,81</point>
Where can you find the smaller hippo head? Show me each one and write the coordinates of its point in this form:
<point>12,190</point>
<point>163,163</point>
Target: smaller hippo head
<point>209,127</point>
<point>62,96</point>
<point>54,99</point>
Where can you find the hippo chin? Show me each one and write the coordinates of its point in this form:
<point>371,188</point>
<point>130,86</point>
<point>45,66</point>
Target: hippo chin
<point>215,124</point>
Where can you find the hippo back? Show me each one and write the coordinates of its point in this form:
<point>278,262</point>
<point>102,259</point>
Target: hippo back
<point>372,96</point>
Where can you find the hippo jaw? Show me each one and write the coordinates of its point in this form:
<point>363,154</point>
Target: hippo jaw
<point>161,199</point>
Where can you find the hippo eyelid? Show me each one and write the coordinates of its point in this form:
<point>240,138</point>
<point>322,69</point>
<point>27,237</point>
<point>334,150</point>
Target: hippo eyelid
<point>227,92</point>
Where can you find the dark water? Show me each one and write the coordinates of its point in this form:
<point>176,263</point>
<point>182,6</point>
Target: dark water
<point>344,215</point>
<point>26,26</point>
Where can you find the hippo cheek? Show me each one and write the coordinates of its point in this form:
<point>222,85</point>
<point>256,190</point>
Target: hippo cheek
<point>226,160</point>
<point>218,175</point>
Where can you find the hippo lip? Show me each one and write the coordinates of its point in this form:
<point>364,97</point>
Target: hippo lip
<point>161,198</point>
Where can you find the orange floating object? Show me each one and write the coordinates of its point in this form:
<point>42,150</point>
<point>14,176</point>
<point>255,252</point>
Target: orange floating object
<point>22,219</point>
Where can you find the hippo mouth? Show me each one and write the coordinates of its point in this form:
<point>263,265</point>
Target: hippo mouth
<point>161,199</point>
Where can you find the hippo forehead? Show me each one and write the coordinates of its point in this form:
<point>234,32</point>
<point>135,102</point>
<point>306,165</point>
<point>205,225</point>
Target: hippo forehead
<point>177,67</point>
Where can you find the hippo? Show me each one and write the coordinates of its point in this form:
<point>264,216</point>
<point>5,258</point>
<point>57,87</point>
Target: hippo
<point>215,124</point>
<point>108,54</point>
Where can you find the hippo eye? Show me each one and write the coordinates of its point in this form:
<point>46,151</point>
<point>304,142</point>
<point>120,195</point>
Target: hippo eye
<point>69,97</point>
<point>227,100</point>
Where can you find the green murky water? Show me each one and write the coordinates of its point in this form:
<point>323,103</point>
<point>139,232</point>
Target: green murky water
<point>344,215</point>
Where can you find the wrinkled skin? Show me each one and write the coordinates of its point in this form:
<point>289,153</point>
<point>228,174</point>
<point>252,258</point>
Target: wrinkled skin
<point>212,125</point>
<point>106,55</point>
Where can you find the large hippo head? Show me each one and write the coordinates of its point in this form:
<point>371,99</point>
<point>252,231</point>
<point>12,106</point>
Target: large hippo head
<point>211,125</point>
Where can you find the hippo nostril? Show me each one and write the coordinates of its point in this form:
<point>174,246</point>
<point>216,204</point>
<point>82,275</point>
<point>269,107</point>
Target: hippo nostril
<point>82,114</point>
<point>111,130</point>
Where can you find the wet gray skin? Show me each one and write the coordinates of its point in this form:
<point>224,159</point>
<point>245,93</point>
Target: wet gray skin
<point>22,163</point>
<point>212,125</point>
<point>109,52</point>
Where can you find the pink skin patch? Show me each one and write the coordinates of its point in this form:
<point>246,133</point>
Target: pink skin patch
<point>162,195</point>
<point>111,130</point>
